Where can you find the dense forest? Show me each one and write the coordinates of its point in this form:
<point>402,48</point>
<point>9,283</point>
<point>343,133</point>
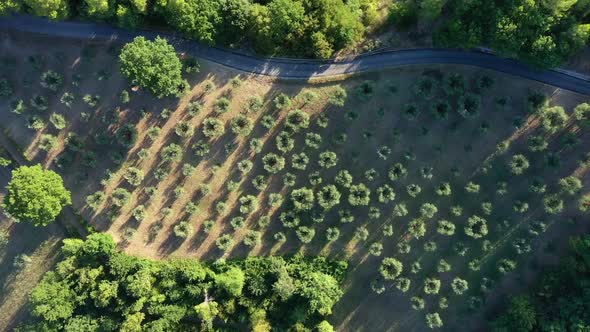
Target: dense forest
<point>312,28</point>
<point>561,302</point>
<point>542,32</point>
<point>96,288</point>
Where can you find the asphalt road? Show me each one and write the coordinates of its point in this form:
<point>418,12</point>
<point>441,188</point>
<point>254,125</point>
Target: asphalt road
<point>301,68</point>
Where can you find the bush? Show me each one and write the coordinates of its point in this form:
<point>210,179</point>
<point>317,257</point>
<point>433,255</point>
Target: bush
<point>95,200</point>
<point>305,234</point>
<point>361,233</point>
<point>359,195</point>
<point>344,179</point>
<point>385,194</point>
<point>154,66</point>
<point>256,145</point>
<point>397,172</point>
<point>280,237</point>
<point>390,268</point>
<point>254,104</point>
<point>275,199</point>
<point>328,159</point>
<point>289,180</point>
<point>268,121</point>
<point>428,210</point>
<point>153,133</point>
<point>441,109</point>
<point>402,284</point>
<point>570,185</point>
<point>237,223</point>
<point>5,88</point>
<point>213,128</point>
<point>302,199</point>
<point>47,142</point>
<point>324,326</point>
<point>172,153</point>
<point>91,100</point>
<point>252,238</point>
<point>553,204</point>
<point>52,80</point>
<point>249,204</point>
<point>553,118</point>
<point>273,163</point>
<point>365,90</point>
<point>297,120</point>
<point>328,197</point>
<point>472,187</point>
<point>285,142</point>
<point>313,140</point>
<point>338,96</point>
<point>582,114</point>
<point>134,176</point>
<point>518,164</point>
<point>299,161</point>
<point>123,97</point>
<point>184,129</point>
<point>400,210</point>
<point>443,266</point>
<point>332,234</point>
<point>194,108</point>
<point>139,213</point>
<point>584,203</point>
<point>476,227</point>
<point>18,106</point>
<point>241,125</point>
<point>191,65</point>
<point>417,228</point>
<point>39,103</point>
<point>469,105</point>
<point>506,265</point>
<point>424,87</point>
<point>413,190</point>
<point>433,320</point>
<point>224,242</point>
<point>120,197</point>
<point>411,111</point>
<point>459,286</point>
<point>282,101</point>
<point>431,286</point>
<point>445,227</point>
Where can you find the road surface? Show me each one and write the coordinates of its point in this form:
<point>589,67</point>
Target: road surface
<point>302,68</point>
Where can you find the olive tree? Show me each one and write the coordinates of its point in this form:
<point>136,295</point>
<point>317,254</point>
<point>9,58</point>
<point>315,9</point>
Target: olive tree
<point>390,268</point>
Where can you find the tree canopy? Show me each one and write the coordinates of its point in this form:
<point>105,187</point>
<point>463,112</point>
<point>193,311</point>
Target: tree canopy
<point>153,65</point>
<point>35,195</point>
<point>96,286</point>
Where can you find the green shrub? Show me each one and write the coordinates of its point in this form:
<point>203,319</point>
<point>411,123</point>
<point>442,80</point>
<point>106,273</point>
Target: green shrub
<point>359,194</point>
<point>273,163</point>
<point>241,125</point>
<point>390,268</point>
<point>431,286</point>
<point>51,80</point>
<point>553,118</point>
<point>297,120</point>
<point>476,227</point>
<point>305,234</point>
<point>172,153</point>
<point>184,129</point>
<point>213,128</point>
